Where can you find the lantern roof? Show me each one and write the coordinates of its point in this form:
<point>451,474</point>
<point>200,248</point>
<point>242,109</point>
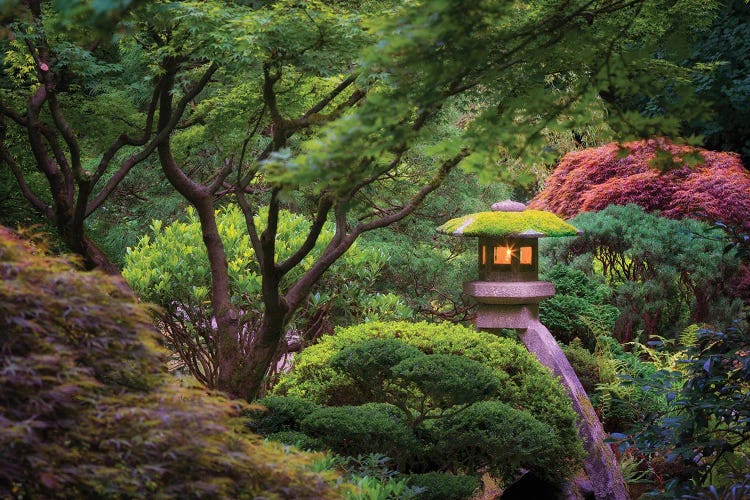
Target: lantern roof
<point>507,220</point>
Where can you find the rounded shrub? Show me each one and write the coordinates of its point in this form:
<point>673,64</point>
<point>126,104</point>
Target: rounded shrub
<point>585,364</point>
<point>275,414</point>
<point>298,439</point>
<point>355,430</point>
<point>88,410</point>
<point>434,374</point>
<point>491,432</point>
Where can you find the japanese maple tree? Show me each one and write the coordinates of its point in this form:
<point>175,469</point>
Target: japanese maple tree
<point>655,174</point>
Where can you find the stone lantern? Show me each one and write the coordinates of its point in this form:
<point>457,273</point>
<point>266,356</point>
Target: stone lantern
<point>509,291</point>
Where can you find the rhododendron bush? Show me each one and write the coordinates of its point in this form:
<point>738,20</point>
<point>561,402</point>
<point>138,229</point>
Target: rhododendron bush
<point>655,174</point>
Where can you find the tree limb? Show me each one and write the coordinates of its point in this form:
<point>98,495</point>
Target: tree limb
<point>45,209</point>
<point>324,206</point>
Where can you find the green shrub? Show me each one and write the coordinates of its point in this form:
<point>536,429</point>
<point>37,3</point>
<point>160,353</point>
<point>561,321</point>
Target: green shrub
<point>432,373</point>
<point>707,430</point>
<point>368,366</point>
<point>170,268</point>
<point>448,380</point>
<point>275,414</point>
<point>298,439</point>
<point>87,409</point>
<point>369,428</point>
<point>578,301</point>
<point>492,433</point>
<point>439,486</point>
<point>585,364</point>
<point>665,273</point>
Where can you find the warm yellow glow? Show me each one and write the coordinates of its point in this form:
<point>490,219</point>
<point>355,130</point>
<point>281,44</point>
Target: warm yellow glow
<point>503,255</point>
<point>526,253</point>
<point>484,254</point>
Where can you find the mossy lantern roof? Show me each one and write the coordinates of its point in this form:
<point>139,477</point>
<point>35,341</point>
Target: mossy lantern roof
<point>515,224</point>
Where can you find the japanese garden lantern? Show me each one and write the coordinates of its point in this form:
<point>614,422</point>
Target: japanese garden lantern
<point>509,291</point>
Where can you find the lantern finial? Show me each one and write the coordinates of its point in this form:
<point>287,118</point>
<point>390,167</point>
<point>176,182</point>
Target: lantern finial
<point>508,206</point>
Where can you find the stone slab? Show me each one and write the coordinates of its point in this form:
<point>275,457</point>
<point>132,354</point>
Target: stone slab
<point>509,292</point>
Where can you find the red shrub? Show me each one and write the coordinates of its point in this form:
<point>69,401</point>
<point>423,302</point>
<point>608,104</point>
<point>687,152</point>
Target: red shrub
<point>589,180</point>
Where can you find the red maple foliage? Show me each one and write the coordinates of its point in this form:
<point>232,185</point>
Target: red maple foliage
<point>718,189</point>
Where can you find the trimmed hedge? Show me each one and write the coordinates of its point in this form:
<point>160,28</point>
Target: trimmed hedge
<point>440,378</point>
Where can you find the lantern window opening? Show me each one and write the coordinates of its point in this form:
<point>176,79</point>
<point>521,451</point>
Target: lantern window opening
<point>503,254</point>
<point>526,256</point>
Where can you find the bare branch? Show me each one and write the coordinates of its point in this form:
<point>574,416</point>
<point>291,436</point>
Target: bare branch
<point>325,101</point>
<point>125,140</point>
<point>165,128</point>
<point>14,115</point>
<point>67,133</point>
<point>417,199</point>
<point>252,231</point>
<point>25,189</point>
<point>324,206</point>
<point>221,176</point>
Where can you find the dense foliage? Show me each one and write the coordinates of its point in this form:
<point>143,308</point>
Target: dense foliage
<point>701,441</point>
<point>665,273</point>
<point>709,186</point>
<point>432,397</point>
<point>726,87</point>
<point>580,307</point>
<point>169,268</point>
<point>353,111</point>
<point>87,409</point>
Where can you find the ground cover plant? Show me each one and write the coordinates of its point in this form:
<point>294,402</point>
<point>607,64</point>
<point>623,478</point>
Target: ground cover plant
<point>432,397</point>
<point>87,409</point>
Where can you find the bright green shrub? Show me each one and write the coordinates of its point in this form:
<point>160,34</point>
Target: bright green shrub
<point>452,368</point>
<point>87,409</point>
<point>171,264</point>
<point>353,430</point>
<point>440,486</point>
<point>170,268</point>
